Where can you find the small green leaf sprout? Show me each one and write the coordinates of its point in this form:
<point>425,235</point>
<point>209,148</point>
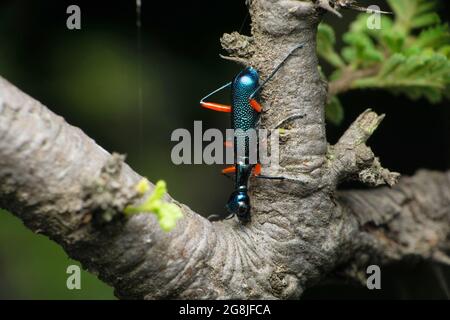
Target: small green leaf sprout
<point>167,213</point>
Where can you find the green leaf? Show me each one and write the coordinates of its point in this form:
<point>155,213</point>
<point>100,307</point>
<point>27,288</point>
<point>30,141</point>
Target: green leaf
<point>159,191</point>
<point>393,41</point>
<point>334,111</point>
<point>170,213</point>
<point>409,54</point>
<point>359,25</point>
<point>167,213</point>
<point>421,75</point>
<point>385,36</point>
<point>445,50</point>
<point>361,50</point>
<point>425,20</point>
<point>434,37</point>
<point>413,14</point>
<point>325,46</point>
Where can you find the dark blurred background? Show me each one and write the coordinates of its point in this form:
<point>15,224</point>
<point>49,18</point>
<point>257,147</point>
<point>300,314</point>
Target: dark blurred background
<point>92,77</point>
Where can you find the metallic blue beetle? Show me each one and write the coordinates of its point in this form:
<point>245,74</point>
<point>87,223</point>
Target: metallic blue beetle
<point>245,111</point>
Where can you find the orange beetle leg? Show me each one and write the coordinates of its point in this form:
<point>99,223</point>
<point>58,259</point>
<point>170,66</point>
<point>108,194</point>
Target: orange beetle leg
<point>255,105</point>
<point>216,106</point>
<point>228,170</point>
<point>257,170</point>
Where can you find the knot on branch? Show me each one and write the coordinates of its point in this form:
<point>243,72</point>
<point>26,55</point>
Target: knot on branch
<point>351,158</point>
<point>376,175</point>
<point>239,47</point>
<point>105,197</point>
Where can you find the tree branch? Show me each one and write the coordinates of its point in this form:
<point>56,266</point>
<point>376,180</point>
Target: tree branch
<point>349,76</point>
<point>351,158</point>
<point>410,221</point>
<point>62,184</point>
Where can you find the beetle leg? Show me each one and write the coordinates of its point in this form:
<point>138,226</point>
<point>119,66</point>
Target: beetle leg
<point>270,177</point>
<point>255,105</point>
<point>216,106</point>
<point>257,174</point>
<point>257,170</point>
<point>228,170</point>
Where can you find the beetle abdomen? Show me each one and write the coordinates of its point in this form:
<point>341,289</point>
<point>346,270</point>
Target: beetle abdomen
<point>243,116</point>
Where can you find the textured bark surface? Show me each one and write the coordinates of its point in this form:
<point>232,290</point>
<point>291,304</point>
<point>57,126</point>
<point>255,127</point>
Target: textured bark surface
<point>62,184</point>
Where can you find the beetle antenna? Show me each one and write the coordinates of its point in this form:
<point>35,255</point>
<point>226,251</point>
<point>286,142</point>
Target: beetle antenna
<point>275,71</point>
<point>215,91</point>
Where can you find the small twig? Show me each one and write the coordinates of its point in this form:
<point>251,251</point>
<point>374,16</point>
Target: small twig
<point>333,6</point>
<point>349,76</point>
<point>352,158</point>
<point>325,4</point>
<point>367,10</point>
<point>242,61</point>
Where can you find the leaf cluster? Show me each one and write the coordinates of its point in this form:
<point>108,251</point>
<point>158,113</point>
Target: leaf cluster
<point>409,53</point>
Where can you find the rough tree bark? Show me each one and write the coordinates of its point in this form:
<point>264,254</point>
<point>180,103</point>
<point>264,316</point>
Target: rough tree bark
<point>62,184</point>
